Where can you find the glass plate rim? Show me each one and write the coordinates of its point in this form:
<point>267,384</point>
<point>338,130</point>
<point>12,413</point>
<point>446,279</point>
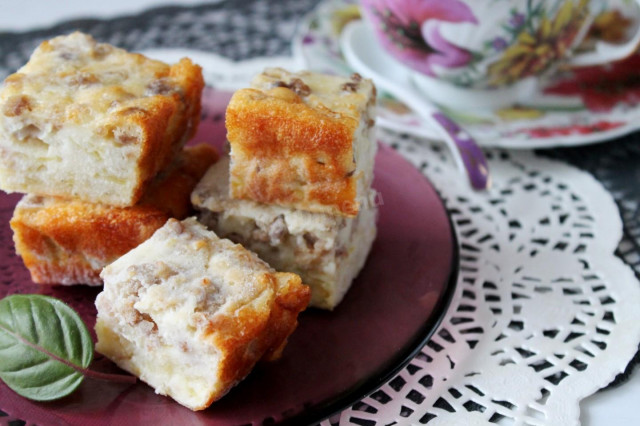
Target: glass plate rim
<point>394,365</point>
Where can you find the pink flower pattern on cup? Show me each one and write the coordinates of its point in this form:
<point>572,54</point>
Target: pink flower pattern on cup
<point>410,31</point>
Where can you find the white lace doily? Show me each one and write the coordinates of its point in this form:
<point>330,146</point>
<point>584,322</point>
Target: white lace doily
<point>544,313</point>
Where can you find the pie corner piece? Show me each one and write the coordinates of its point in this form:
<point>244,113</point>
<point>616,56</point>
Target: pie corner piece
<point>82,111</point>
<point>303,140</point>
<point>191,314</point>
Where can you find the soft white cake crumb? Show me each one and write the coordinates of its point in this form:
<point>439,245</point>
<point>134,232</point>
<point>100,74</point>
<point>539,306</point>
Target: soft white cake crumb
<point>190,314</point>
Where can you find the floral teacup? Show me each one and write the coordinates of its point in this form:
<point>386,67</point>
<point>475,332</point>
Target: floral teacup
<point>487,53</point>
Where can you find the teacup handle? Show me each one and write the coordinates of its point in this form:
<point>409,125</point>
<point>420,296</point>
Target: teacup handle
<point>607,52</point>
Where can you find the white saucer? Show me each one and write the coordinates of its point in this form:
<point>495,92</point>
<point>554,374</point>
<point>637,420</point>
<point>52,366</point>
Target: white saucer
<point>546,121</point>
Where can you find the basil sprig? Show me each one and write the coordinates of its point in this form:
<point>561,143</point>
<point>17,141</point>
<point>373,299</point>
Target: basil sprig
<point>45,348</point>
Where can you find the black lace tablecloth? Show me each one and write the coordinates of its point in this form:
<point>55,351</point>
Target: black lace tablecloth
<point>235,29</point>
<point>248,28</point>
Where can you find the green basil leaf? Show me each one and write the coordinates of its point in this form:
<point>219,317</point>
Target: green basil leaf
<point>44,346</point>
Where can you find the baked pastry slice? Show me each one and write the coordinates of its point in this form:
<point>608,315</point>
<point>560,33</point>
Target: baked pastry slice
<point>303,140</point>
<point>191,314</point>
<point>81,111</point>
<point>327,251</point>
<point>67,242</point>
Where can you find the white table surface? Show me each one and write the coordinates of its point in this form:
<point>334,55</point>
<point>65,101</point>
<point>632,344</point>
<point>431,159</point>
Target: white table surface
<point>616,407</point>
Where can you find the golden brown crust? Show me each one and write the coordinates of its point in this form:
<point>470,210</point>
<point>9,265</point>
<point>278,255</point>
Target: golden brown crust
<point>172,120</point>
<point>286,152</point>
<point>292,297</point>
<point>258,331</point>
<point>170,191</point>
<point>80,110</point>
<point>70,241</point>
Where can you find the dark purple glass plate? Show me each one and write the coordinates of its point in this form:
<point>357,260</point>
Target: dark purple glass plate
<point>332,360</point>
